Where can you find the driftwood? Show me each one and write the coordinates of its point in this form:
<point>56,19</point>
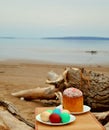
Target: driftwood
<point>95,88</point>
<point>37,93</point>
<point>10,119</point>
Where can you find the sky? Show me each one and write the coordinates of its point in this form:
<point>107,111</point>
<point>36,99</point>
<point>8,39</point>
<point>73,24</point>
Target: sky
<point>41,18</point>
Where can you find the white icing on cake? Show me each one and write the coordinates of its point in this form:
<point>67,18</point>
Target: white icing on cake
<point>72,92</point>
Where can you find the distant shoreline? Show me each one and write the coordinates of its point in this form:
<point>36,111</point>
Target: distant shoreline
<point>58,38</point>
<point>77,38</point>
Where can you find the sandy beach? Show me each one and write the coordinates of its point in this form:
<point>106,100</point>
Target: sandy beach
<point>16,75</point>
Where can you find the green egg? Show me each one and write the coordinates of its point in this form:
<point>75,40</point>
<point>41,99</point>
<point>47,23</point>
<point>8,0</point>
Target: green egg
<point>65,117</point>
<point>50,111</point>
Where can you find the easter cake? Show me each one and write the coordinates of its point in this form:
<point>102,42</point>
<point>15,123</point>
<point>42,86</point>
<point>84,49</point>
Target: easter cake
<point>73,100</point>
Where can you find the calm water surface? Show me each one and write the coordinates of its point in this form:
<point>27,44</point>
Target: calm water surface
<point>60,51</point>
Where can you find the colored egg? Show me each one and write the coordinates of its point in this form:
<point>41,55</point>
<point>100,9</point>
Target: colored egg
<point>57,111</point>
<point>54,118</point>
<point>65,110</point>
<point>50,111</point>
<point>65,117</point>
<point>45,116</point>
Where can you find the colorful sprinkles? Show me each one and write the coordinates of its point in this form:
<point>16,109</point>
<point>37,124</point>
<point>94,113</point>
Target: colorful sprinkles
<point>72,92</point>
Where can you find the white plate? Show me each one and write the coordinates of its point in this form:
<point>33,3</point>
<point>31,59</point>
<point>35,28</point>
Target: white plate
<point>85,109</point>
<point>72,118</point>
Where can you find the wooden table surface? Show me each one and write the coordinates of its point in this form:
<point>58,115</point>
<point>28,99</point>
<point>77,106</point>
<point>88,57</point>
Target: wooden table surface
<point>86,121</point>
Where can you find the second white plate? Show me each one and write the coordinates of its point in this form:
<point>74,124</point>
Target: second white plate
<point>85,109</point>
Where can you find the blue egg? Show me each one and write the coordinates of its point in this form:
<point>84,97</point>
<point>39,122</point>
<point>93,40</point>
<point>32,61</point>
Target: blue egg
<point>57,111</point>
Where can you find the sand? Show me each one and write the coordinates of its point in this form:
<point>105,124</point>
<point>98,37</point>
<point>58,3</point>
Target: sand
<point>16,75</point>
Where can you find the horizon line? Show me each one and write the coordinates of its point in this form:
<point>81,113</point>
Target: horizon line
<point>60,37</point>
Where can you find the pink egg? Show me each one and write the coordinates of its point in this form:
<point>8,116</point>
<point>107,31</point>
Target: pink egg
<point>66,111</point>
